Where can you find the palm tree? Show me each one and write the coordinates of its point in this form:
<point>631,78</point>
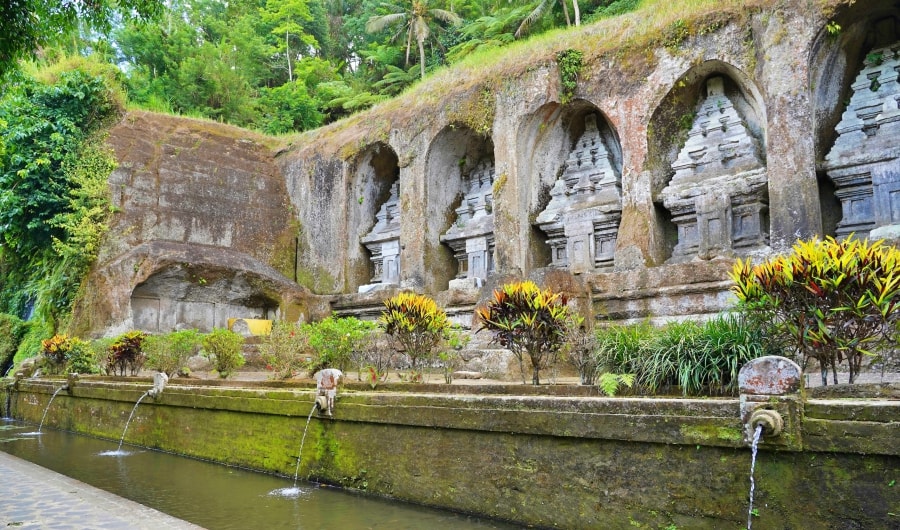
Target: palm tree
<point>416,20</point>
<point>544,5</point>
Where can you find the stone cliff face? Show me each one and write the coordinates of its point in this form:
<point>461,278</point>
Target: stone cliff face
<point>741,110</point>
<point>202,232</point>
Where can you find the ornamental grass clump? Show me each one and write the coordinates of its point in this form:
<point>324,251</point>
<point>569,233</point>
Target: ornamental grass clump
<point>832,301</point>
<point>528,321</point>
<point>416,324</point>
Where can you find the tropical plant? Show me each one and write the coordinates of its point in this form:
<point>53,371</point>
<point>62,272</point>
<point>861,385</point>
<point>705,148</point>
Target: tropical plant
<point>610,383</point>
<point>416,21</point>
<point>223,347</point>
<point>827,300</point>
<point>80,358</point>
<point>528,321</point>
<point>169,352</point>
<point>543,6</point>
<point>126,354</point>
<point>416,323</point>
<point>697,358</point>
<point>284,349</point>
<point>54,351</point>
<point>334,339</point>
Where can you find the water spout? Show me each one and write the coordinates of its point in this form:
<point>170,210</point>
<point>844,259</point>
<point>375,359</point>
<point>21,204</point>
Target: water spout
<point>118,451</point>
<point>753,448</point>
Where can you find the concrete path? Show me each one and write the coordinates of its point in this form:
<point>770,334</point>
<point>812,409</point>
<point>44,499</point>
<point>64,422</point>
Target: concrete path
<point>34,497</point>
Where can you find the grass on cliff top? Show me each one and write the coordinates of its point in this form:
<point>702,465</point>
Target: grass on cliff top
<point>655,23</point>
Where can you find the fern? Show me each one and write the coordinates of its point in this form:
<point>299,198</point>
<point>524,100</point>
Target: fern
<point>609,382</point>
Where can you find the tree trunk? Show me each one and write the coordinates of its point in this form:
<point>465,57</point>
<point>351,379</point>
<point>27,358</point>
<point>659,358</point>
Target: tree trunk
<point>824,368</point>
<point>577,13</point>
<point>535,376</point>
<point>566,12</point>
<point>287,54</point>
<point>422,56</point>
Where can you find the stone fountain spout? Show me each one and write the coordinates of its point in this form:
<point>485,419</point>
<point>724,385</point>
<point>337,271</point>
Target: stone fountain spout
<point>763,383</point>
<point>160,380</point>
<point>326,389</point>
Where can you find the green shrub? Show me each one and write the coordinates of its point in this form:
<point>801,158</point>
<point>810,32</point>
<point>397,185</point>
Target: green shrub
<point>223,348</point>
<point>416,324</point>
<point>334,340</point>
<point>169,352</point>
<point>81,358</point>
<point>528,321</point>
<point>826,300</point>
<point>284,349</point>
<point>11,331</point>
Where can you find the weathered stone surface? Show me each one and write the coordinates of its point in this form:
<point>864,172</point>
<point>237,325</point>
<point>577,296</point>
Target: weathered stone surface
<point>472,234</point>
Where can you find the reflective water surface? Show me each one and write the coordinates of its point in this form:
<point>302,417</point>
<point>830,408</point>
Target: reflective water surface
<point>216,496</point>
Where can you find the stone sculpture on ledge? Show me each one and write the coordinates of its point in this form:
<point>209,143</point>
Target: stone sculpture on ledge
<point>864,163</point>
<point>383,242</point>
<point>718,196</point>
<point>582,218</point>
<point>472,234</point>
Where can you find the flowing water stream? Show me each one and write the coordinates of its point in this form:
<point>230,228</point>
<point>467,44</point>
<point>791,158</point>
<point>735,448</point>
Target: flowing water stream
<point>46,410</point>
<point>295,491</point>
<point>218,497</point>
<point>756,436</point>
<point>118,451</point>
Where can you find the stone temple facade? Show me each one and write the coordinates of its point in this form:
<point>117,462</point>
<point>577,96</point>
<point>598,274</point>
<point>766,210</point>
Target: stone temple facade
<point>633,194</point>
<point>471,236</point>
<point>582,218</point>
<point>864,163</point>
<point>718,196</point>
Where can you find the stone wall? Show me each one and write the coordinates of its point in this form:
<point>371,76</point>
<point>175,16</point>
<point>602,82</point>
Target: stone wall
<point>551,461</point>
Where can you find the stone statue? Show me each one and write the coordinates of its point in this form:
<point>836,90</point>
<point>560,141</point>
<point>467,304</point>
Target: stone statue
<point>326,386</point>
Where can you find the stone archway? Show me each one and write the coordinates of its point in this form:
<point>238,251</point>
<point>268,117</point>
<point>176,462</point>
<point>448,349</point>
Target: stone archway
<point>374,220</point>
<point>571,168</point>
<point>855,92</point>
<point>707,159</point>
<point>459,175</point>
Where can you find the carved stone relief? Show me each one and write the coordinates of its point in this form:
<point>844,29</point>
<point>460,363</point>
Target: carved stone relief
<point>582,218</point>
<point>718,196</point>
<point>383,242</point>
<point>472,234</point>
<point>864,163</point>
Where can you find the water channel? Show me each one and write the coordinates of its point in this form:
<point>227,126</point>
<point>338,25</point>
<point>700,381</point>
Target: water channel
<point>216,496</point>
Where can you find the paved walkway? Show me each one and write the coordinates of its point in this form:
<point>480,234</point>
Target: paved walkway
<point>34,497</point>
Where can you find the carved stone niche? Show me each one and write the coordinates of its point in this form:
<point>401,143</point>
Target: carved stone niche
<point>383,242</point>
<point>718,196</point>
<point>582,218</point>
<point>472,234</point>
<point>864,163</point>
